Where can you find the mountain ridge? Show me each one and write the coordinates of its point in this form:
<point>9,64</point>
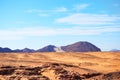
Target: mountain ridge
<point>81,46</point>
<point>115,50</point>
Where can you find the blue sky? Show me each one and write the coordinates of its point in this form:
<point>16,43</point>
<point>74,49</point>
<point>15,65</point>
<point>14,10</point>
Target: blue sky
<point>37,23</point>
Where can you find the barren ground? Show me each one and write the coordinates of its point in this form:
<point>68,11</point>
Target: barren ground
<point>60,66</point>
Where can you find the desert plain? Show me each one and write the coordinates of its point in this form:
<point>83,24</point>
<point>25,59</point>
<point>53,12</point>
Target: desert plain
<point>60,66</point>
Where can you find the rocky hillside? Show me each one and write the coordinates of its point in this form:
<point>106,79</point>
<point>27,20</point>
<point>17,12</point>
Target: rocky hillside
<point>80,47</point>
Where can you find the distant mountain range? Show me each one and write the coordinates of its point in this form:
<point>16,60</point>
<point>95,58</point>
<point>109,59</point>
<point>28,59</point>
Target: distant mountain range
<point>81,46</point>
<point>114,50</point>
<point>5,49</point>
<point>24,50</point>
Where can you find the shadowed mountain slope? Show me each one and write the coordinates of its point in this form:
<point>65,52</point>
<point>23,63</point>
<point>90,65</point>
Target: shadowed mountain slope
<point>49,48</point>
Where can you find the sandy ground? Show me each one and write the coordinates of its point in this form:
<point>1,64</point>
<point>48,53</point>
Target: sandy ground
<point>79,62</point>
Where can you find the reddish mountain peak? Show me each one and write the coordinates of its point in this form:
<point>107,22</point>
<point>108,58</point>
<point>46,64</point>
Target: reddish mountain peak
<point>81,46</point>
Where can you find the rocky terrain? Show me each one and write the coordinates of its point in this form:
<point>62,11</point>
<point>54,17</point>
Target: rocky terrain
<point>60,66</point>
<point>52,71</point>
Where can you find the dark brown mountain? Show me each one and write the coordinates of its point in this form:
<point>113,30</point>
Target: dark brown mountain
<point>82,46</point>
<point>49,48</point>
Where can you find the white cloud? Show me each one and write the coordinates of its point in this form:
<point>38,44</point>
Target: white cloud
<point>46,13</point>
<point>89,19</point>
<point>61,9</point>
<point>80,6</point>
<point>24,33</point>
<point>37,32</point>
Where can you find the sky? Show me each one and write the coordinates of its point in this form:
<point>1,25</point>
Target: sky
<point>38,23</point>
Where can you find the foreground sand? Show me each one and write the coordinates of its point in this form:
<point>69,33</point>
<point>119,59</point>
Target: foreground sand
<point>60,66</point>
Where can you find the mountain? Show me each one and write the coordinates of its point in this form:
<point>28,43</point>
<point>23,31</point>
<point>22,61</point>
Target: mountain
<point>115,50</point>
<point>5,50</point>
<point>82,46</point>
<point>24,50</point>
<point>28,50</point>
<point>49,48</point>
<point>17,50</point>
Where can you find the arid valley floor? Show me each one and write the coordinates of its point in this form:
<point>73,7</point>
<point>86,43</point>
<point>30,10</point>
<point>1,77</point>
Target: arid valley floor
<point>60,66</point>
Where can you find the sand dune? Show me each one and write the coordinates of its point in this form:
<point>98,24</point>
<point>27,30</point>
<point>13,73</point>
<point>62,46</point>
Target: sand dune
<point>69,63</point>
